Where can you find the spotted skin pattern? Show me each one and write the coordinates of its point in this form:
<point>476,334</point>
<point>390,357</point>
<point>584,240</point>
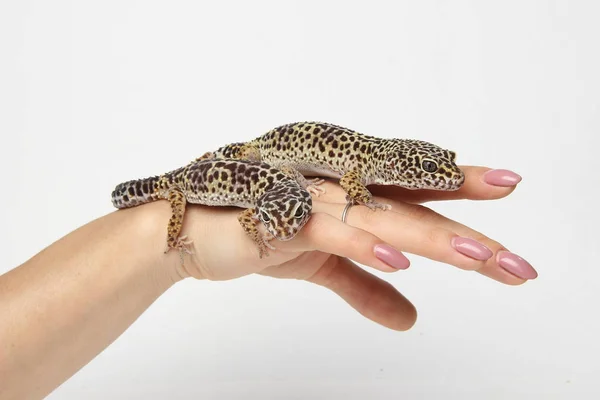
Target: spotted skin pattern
<point>269,196</point>
<point>326,150</point>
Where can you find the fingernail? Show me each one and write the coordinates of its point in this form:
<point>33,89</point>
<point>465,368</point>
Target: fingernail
<point>471,248</point>
<point>501,177</point>
<point>516,265</point>
<point>391,256</point>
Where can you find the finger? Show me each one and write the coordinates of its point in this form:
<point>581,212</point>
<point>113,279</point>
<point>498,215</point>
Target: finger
<point>501,266</point>
<point>481,183</point>
<point>371,296</point>
<point>418,232</point>
<point>330,235</point>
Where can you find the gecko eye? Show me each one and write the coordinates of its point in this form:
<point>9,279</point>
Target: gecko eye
<point>299,212</point>
<point>429,166</point>
<point>264,216</point>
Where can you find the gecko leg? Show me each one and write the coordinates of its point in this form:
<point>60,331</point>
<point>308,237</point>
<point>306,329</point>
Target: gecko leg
<point>248,222</point>
<point>312,185</point>
<point>177,200</point>
<point>358,193</point>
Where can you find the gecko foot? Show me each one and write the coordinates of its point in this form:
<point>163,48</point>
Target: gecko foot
<point>315,181</point>
<point>267,237</point>
<point>313,186</point>
<point>263,249</point>
<point>315,190</point>
<point>181,245</point>
<point>375,206</point>
<point>263,245</point>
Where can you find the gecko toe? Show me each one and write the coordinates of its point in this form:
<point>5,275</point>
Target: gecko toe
<point>378,206</point>
<point>315,190</point>
<point>315,181</point>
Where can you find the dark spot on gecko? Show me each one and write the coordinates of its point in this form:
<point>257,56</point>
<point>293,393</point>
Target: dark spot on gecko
<point>331,153</point>
<point>131,191</point>
<point>231,167</point>
<point>239,190</point>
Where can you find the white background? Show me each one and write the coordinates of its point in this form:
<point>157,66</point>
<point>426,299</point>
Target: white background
<point>94,93</point>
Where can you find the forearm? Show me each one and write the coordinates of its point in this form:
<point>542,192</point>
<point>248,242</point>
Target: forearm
<point>65,305</point>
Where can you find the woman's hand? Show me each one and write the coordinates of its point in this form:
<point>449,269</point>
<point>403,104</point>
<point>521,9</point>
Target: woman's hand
<point>71,300</point>
<point>322,251</point>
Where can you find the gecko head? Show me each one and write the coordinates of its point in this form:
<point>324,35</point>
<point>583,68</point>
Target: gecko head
<point>284,209</point>
<point>415,164</point>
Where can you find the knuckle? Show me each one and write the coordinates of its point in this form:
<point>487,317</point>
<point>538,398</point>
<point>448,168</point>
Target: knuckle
<point>435,236</point>
<point>357,239</point>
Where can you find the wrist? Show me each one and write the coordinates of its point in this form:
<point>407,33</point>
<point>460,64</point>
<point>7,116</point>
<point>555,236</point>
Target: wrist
<point>149,222</point>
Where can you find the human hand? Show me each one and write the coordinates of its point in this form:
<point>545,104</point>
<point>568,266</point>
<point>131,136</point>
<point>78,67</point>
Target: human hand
<point>323,250</point>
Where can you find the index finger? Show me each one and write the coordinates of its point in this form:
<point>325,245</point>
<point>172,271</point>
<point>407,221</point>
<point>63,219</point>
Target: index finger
<point>481,183</point>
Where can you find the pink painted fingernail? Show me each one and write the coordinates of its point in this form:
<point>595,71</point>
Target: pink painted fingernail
<point>391,256</point>
<point>516,265</point>
<point>471,248</point>
<point>501,177</point>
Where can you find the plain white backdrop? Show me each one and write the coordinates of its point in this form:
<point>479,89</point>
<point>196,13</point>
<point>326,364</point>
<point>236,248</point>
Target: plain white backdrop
<point>94,93</point>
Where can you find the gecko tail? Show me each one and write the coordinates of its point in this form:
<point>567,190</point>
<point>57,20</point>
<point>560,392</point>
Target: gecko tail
<point>136,192</point>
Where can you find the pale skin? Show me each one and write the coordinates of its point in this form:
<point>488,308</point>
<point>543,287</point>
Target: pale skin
<point>65,305</point>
